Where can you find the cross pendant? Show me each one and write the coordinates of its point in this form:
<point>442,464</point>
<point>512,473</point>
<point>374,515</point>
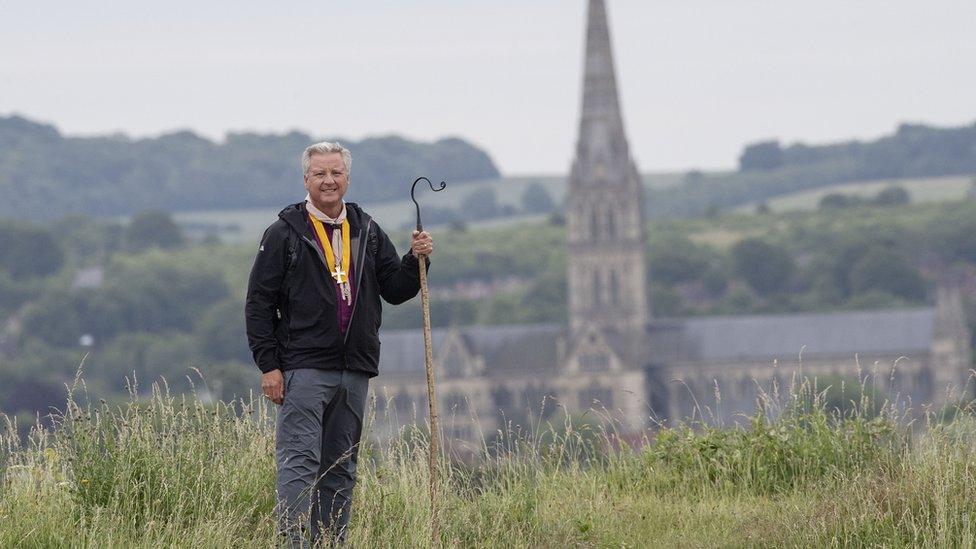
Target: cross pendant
<point>338,274</point>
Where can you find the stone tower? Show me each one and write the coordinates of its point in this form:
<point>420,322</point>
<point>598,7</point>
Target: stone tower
<point>951,350</point>
<point>605,221</point>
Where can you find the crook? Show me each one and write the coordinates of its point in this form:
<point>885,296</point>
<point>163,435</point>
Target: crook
<point>420,226</point>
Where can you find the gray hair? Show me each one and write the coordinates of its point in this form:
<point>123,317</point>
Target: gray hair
<point>326,147</point>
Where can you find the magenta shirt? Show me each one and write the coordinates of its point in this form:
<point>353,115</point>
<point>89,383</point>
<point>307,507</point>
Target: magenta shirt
<point>344,309</point>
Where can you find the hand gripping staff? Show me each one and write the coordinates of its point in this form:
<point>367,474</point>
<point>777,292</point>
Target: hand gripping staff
<point>429,363</point>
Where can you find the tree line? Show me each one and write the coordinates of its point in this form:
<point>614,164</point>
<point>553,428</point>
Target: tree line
<point>768,169</point>
<point>164,305</point>
<point>41,169</point>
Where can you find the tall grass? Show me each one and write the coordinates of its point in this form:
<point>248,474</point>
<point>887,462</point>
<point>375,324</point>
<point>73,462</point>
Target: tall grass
<point>171,471</point>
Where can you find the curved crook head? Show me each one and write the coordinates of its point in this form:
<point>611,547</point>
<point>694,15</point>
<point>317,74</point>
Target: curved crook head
<point>413,188</point>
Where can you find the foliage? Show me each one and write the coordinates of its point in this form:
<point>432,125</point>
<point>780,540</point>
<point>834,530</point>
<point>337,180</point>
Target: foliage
<point>839,200</point>
<point>30,391</point>
<point>480,204</point>
<point>166,311</point>
<point>168,471</point>
<point>766,267</point>
<point>547,297</point>
<point>110,175</point>
<point>886,271</point>
<point>137,359</point>
<point>14,293</point>
<point>954,235</point>
<point>665,302</point>
<point>150,297</point>
<point>675,258</point>
<point>761,156</point>
<point>536,199</point>
<point>152,229</point>
<point>913,151</point>
<point>483,204</point>
<point>28,251</point>
<point>892,195</point>
<point>434,215</point>
<point>230,379</point>
<point>219,332</point>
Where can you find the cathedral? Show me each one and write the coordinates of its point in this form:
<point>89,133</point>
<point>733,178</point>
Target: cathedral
<point>614,356</point>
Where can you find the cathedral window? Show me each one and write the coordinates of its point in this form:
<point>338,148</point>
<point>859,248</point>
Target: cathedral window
<point>614,287</point>
<point>611,224</point>
<point>597,289</point>
<point>593,362</point>
<point>596,222</point>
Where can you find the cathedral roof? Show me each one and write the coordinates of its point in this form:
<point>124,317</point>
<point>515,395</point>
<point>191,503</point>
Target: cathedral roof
<point>785,336</point>
<point>402,351</point>
<point>505,348</point>
<point>520,349</point>
<point>526,348</point>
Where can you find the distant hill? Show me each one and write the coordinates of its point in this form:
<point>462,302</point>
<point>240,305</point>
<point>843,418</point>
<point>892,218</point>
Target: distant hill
<point>767,170</point>
<point>247,224</point>
<point>117,175</point>
<point>926,189</point>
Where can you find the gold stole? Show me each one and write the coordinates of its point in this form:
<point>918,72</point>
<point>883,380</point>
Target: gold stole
<point>339,272</point>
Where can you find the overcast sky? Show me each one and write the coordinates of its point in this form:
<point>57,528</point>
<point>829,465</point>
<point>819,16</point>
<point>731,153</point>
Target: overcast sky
<point>698,79</point>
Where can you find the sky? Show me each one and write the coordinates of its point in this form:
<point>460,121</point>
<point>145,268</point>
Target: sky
<point>698,78</point>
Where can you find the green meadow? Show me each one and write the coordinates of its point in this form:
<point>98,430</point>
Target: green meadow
<point>168,471</point>
<point>925,189</point>
<point>247,224</point>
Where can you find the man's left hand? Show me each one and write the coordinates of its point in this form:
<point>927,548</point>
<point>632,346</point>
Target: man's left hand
<point>422,244</point>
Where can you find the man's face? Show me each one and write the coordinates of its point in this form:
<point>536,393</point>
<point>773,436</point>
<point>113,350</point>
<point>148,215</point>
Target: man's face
<point>327,181</point>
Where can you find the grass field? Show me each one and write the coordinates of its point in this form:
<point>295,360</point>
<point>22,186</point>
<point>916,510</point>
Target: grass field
<point>246,225</point>
<point>931,189</point>
<point>173,472</point>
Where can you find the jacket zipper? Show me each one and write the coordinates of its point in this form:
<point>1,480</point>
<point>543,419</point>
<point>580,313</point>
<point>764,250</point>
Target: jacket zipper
<point>317,251</point>
<point>359,276</point>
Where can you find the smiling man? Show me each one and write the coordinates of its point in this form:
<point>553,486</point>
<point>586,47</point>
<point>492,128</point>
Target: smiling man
<point>313,313</point>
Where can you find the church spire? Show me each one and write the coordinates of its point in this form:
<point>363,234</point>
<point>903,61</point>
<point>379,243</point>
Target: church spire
<point>601,131</point>
<point>607,275</point>
<point>601,104</point>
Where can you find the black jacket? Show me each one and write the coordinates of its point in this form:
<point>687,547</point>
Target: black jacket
<point>292,318</point>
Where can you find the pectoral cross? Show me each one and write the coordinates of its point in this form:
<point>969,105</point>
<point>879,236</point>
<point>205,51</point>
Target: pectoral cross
<point>338,274</point>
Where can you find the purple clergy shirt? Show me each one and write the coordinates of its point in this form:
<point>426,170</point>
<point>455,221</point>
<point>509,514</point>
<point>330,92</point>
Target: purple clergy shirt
<point>344,309</point>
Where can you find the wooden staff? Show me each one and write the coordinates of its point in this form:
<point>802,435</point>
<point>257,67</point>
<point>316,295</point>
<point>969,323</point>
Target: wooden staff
<point>434,447</point>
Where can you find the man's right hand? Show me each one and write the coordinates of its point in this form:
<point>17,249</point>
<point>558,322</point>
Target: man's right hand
<point>273,386</point>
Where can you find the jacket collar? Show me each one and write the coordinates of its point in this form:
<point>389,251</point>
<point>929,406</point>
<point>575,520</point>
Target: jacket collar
<point>297,216</point>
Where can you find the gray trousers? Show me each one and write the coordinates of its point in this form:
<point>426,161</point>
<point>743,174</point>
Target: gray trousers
<point>318,430</point>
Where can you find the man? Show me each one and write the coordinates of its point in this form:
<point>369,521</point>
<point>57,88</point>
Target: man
<point>313,313</point>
